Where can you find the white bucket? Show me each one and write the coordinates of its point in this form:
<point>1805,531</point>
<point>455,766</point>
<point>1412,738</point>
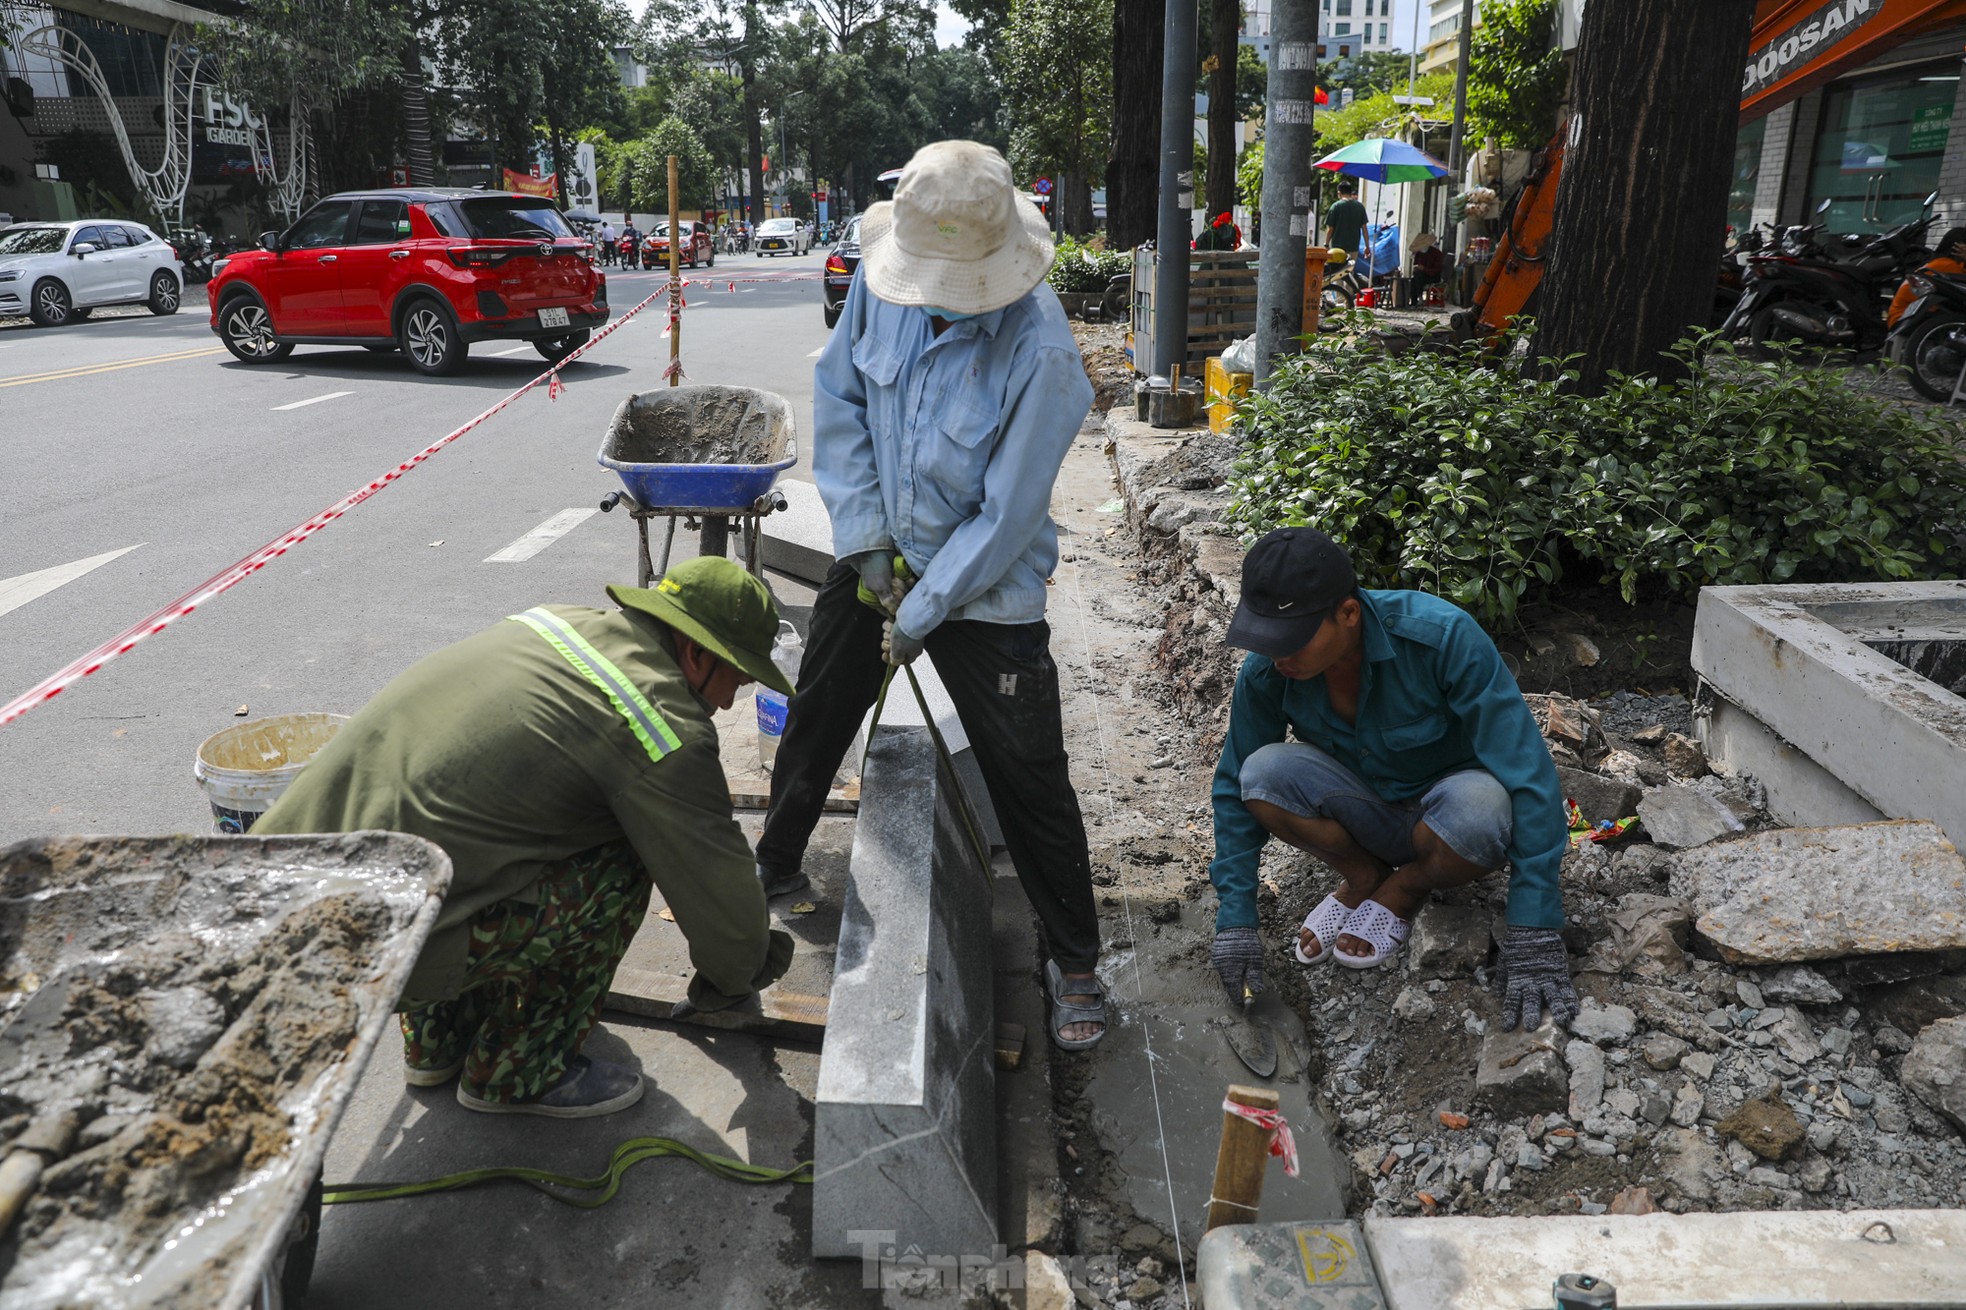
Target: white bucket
<point>245,768</point>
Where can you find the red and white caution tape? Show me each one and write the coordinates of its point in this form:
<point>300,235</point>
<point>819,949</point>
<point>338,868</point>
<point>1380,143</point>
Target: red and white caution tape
<point>1282,1144</point>
<point>62,679</point>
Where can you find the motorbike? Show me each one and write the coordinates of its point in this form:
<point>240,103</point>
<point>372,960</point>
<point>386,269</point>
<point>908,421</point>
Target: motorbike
<point>1930,338</point>
<point>1804,293</point>
<point>630,249</point>
<point>194,251</point>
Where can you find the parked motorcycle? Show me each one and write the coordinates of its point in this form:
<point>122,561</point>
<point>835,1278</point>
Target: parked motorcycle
<point>1930,338</point>
<point>1803,293</point>
<point>194,251</point>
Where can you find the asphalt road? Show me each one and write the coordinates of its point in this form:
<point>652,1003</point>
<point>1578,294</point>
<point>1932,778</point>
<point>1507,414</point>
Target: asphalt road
<point>142,435</point>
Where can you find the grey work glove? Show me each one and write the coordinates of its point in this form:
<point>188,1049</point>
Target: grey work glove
<point>876,570</point>
<point>1535,978</point>
<point>1238,956</point>
<point>897,647</point>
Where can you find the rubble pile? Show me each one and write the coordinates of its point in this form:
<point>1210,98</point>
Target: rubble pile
<point>1773,1017</point>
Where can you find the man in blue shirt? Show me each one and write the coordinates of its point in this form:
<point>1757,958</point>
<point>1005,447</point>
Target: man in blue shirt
<point>943,407</point>
<point>1416,766</point>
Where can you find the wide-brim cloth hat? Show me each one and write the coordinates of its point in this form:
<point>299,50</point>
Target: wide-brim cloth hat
<point>1425,241</point>
<point>721,608</point>
<point>956,236</point>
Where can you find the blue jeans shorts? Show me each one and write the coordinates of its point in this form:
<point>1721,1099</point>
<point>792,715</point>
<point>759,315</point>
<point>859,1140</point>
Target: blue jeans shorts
<point>1469,810</point>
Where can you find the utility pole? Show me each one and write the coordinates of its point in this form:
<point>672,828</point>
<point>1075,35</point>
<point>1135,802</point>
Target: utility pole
<point>1289,140</point>
<point>1177,188</point>
<point>1457,147</point>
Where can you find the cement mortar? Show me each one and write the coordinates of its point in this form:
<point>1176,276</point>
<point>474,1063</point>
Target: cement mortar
<point>189,1017</point>
<point>697,425</point>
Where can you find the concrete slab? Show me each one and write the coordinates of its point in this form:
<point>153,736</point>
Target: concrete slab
<point>798,540</point>
<point>1168,1019</point>
<point>905,1121</point>
<point>1824,893</point>
<point>1287,1267</point>
<point>904,711</point>
<point>1809,664</point>
<point>1792,1259</point>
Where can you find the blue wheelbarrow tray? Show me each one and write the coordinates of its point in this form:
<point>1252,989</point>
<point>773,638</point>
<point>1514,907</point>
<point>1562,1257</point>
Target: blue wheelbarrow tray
<point>705,448</point>
<point>202,1007</point>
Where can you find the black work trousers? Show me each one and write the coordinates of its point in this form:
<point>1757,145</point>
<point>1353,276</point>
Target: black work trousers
<point>1005,688</point>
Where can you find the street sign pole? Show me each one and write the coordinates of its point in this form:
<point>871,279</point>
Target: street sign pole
<point>1289,143</point>
<point>1177,187</point>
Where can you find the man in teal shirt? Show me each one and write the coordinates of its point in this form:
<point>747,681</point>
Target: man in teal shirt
<point>1415,766</point>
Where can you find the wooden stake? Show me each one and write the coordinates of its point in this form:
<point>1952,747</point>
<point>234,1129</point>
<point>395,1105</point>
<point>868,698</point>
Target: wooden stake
<point>1240,1160</point>
<point>675,280</point>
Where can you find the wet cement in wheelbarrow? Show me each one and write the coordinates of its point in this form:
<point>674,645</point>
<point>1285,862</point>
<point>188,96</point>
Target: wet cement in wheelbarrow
<point>716,426</point>
<point>175,1051</point>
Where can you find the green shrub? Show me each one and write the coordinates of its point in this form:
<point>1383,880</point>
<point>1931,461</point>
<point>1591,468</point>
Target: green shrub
<point>1487,483</point>
<point>1086,267</point>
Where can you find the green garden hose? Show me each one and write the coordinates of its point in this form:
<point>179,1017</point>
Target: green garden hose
<point>558,1186</point>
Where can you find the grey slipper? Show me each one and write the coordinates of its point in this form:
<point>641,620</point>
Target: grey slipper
<point>1064,1013</point>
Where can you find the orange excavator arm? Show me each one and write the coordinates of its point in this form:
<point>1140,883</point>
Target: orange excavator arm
<point>1797,46</point>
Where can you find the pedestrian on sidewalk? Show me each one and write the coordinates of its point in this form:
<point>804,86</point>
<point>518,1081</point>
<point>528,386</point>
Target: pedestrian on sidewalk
<point>1344,226</point>
<point>564,759</point>
<point>943,408</point>
<point>1413,766</point>
<point>607,243</point>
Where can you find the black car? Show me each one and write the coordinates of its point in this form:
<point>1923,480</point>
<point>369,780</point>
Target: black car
<point>839,269</point>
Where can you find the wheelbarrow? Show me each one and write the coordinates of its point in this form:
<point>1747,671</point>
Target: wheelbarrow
<point>182,1022</point>
<point>707,455</point>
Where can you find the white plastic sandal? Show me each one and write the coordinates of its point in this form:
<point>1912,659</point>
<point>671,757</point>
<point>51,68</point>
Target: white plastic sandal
<point>1325,923</point>
<point>1379,928</point>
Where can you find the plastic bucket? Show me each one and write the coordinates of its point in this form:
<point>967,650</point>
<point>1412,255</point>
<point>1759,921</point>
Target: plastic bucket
<point>244,769</point>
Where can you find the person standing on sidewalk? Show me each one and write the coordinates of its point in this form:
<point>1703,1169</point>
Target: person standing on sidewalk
<point>1413,765</point>
<point>1344,226</point>
<point>566,761</point>
<point>943,408</point>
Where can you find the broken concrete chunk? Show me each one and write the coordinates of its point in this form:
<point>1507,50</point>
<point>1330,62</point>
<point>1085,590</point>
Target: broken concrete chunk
<point>1599,797</point>
<point>1684,758</point>
<point>1648,934</point>
<point>1650,735</point>
<point>1566,721</point>
<point>1819,893</point>
<point>1766,1126</point>
<point>1604,1023</point>
<point>1798,984</point>
<point>1520,1073</point>
<point>1413,1004</point>
<point>1449,940</point>
<point>1682,818</point>
<point>1793,1034</point>
<point>1687,1105</point>
<point>1586,1078</point>
<point>1663,1051</point>
<point>1697,1063</point>
<point>1690,1164</point>
<point>1935,1071</point>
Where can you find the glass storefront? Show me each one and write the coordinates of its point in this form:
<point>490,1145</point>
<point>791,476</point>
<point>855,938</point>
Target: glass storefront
<point>1882,142</point>
<point>1747,175</point>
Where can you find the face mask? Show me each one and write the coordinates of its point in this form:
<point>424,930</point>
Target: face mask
<point>947,315</point>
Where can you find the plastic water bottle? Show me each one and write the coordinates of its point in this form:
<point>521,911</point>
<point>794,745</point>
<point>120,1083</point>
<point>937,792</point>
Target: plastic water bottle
<point>786,652</point>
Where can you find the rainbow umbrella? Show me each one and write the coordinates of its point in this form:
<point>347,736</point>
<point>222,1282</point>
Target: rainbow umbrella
<point>1382,159</point>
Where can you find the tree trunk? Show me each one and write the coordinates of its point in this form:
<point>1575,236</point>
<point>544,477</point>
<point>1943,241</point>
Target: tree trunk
<point>416,115</point>
<point>1132,172</point>
<point>1641,209</point>
<point>1225,18</point>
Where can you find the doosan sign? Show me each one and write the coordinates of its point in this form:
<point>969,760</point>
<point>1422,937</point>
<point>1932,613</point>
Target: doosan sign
<point>1805,41</point>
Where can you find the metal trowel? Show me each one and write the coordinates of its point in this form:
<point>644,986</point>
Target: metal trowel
<point>1251,1039</point>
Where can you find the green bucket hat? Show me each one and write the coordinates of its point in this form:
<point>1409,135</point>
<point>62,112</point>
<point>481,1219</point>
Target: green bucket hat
<point>721,608</point>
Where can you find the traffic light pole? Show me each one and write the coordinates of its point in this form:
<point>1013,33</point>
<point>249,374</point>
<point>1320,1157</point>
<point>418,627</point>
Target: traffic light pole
<point>1289,144</point>
<point>1177,187</point>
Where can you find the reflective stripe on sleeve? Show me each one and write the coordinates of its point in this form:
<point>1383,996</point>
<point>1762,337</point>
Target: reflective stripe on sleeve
<point>649,726</point>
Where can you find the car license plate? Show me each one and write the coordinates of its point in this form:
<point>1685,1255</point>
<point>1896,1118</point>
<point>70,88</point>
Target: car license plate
<point>552,318</point>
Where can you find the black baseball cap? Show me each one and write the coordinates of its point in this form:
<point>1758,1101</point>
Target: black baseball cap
<point>1291,581</point>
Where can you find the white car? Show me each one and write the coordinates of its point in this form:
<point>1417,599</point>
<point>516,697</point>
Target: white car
<point>57,273</point>
<point>783,236</point>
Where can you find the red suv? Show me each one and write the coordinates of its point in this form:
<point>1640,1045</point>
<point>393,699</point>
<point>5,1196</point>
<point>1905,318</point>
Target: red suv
<point>426,271</point>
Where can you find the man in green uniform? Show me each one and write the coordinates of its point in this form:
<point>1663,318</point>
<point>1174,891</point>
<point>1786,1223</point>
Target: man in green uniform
<point>563,759</point>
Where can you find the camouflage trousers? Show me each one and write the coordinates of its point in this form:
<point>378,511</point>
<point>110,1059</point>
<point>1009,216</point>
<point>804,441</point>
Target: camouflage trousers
<point>535,978</point>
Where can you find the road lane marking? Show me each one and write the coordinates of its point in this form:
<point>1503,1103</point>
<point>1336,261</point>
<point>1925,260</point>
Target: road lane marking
<point>542,536</point>
<point>89,369</point>
<point>817,353</point>
<point>313,400</point>
<point>16,592</point>
<point>501,354</point>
